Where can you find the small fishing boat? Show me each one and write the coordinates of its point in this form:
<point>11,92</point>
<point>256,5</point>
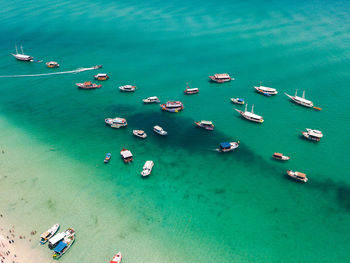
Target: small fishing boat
<point>116,122</point>
<point>301,101</point>
<point>267,91</point>
<point>52,64</point>
<point>280,156</point>
<point>250,115</point>
<point>22,57</point>
<point>220,78</point>
<point>172,106</point>
<point>101,76</point>
<point>117,258</point>
<point>65,244</point>
<point>147,168</point>
<point>126,155</point>
<point>297,176</point>
<point>208,125</point>
<point>227,146</point>
<point>159,130</point>
<point>153,99</point>
<point>49,233</point>
<point>127,88</point>
<point>189,90</point>
<point>140,134</point>
<point>237,101</point>
<point>107,158</point>
<point>88,85</point>
<point>314,135</point>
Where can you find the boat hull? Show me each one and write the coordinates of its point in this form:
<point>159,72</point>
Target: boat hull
<point>212,78</point>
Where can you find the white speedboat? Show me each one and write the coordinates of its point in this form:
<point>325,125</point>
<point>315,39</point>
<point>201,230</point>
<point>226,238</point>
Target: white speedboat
<point>227,146</point>
<point>22,57</point>
<point>65,244</point>
<point>117,258</point>
<point>147,168</point>
<point>301,101</point>
<point>297,176</point>
<point>250,115</point>
<point>153,99</point>
<point>267,91</point>
<point>49,233</point>
<point>140,134</point>
<point>314,135</point>
<point>127,88</point>
<point>159,130</point>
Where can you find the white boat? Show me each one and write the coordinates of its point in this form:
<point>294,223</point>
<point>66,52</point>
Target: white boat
<point>297,176</point>
<point>127,88</point>
<point>153,99</point>
<point>220,78</point>
<point>237,101</point>
<point>227,146</point>
<point>53,241</point>
<point>65,244</point>
<point>49,233</point>
<point>250,115</point>
<point>314,135</point>
<point>140,134</point>
<point>22,56</point>
<point>266,90</point>
<point>116,122</point>
<point>147,168</point>
<point>208,125</point>
<point>117,258</point>
<point>159,130</point>
<point>101,76</point>
<point>280,156</point>
<point>302,101</point>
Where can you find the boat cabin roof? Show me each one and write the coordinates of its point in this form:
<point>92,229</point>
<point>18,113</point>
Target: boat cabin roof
<point>206,122</point>
<point>299,174</point>
<point>225,145</point>
<point>303,100</point>
<point>158,128</point>
<point>266,88</point>
<point>191,89</point>
<point>252,115</point>
<point>278,154</point>
<point>148,165</point>
<point>222,76</point>
<point>315,133</point>
<point>241,100</point>
<point>57,238</point>
<point>60,247</point>
<point>126,154</point>
<point>153,98</point>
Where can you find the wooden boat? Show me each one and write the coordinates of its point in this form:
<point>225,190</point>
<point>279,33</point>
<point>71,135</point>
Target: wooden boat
<point>107,158</point>
<point>147,168</point>
<point>172,106</point>
<point>237,101</point>
<point>101,76</point>
<point>314,135</point>
<point>65,244</point>
<point>208,125</point>
<point>127,88</point>
<point>117,258</point>
<point>301,101</point>
<point>250,115</point>
<point>221,78</point>
<point>297,176</point>
<point>280,156</point>
<point>126,155</point>
<point>227,146</point>
<point>52,64</point>
<point>22,57</point>
<point>88,85</point>
<point>153,99</point>
<point>49,233</point>
<point>189,90</point>
<point>159,130</point>
<point>140,134</point>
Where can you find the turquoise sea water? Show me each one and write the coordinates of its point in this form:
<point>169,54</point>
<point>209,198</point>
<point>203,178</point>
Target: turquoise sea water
<point>197,204</point>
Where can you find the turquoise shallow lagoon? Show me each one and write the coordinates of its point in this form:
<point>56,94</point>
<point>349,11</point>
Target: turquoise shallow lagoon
<point>197,204</point>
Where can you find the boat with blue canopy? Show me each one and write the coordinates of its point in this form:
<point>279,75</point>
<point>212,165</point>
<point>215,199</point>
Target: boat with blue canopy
<point>227,146</point>
<point>107,158</point>
<point>65,244</point>
<point>237,101</point>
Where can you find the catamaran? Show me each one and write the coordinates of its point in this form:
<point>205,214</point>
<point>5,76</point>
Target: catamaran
<point>250,115</point>
<point>22,57</point>
<point>302,101</point>
<point>49,233</point>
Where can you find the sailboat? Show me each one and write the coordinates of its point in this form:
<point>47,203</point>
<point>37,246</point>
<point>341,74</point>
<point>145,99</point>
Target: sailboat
<point>302,101</point>
<point>250,115</point>
<point>22,57</point>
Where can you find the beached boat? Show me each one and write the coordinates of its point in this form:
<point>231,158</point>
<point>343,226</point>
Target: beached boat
<point>107,158</point>
<point>189,90</point>
<point>117,258</point>
<point>153,99</point>
<point>159,130</point>
<point>280,156</point>
<point>220,78</point>
<point>267,91</point>
<point>237,101</point>
<point>127,88</point>
<point>227,146</point>
<point>208,125</point>
<point>140,134</point>
<point>65,244</point>
<point>297,176</point>
<point>314,135</point>
<point>52,64</point>
<point>172,106</point>
<point>116,122</point>
<point>147,168</point>
<point>301,101</point>
<point>250,115</point>
<point>22,57</point>
<point>101,76</point>
<point>88,85</point>
<point>49,233</point>
<point>126,155</point>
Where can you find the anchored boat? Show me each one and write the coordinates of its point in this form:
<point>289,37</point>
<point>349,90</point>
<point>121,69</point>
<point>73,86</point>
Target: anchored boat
<point>250,115</point>
<point>159,130</point>
<point>49,233</point>
<point>227,146</point>
<point>267,91</point>
<point>153,99</point>
<point>127,88</point>
<point>140,134</point>
<point>65,244</point>
<point>297,176</point>
<point>220,78</point>
<point>237,101</point>
<point>117,258</point>
<point>126,155</point>
<point>147,168</point>
<point>208,125</point>
<point>22,57</point>
<point>314,135</point>
<point>116,122</point>
<point>189,90</point>
<point>172,106</point>
<point>52,64</point>
<point>107,158</point>
<point>88,85</point>
<point>280,156</point>
<point>301,101</point>
<point>101,76</point>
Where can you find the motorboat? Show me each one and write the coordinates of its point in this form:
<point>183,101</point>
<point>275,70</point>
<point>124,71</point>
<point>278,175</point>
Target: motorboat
<point>314,135</point>
<point>153,99</point>
<point>140,134</point>
<point>117,258</point>
<point>22,57</point>
<point>227,146</point>
<point>159,130</point>
<point>280,156</point>
<point>220,78</point>
<point>208,125</point>
<point>250,115</point>
<point>49,233</point>
<point>189,90</point>
<point>101,76</point>
<point>172,106</point>
<point>116,122</point>
<point>147,168</point>
<point>126,155</point>
<point>52,64</point>
<point>267,91</point>
<point>300,100</point>
<point>88,85</point>
<point>127,88</point>
<point>237,101</point>
<point>297,176</point>
<point>65,244</point>
<point>107,158</point>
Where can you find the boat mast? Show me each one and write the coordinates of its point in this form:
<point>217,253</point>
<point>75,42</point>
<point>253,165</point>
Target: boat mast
<point>16,49</point>
<point>22,50</point>
<point>304,94</point>
<point>296,93</point>
<point>253,108</point>
<point>245,110</point>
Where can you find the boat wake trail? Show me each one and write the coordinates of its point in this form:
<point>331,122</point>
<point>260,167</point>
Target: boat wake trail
<point>53,73</point>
